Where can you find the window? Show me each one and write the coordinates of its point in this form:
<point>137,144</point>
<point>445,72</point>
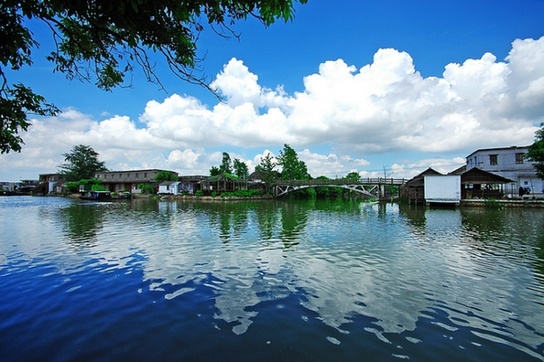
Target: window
<point>136,175</point>
<point>519,157</point>
<point>145,174</point>
<point>493,160</point>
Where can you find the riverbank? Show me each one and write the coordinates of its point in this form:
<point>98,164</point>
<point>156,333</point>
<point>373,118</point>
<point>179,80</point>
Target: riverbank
<point>499,203</point>
<point>465,202</point>
<point>206,198</point>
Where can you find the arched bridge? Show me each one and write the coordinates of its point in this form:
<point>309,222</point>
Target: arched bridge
<point>372,187</point>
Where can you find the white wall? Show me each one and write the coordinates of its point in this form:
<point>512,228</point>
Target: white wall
<point>442,188</point>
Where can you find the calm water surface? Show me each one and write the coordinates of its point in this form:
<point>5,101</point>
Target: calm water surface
<point>273,280</point>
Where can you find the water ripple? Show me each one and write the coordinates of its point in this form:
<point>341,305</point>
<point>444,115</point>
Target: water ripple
<point>278,279</point>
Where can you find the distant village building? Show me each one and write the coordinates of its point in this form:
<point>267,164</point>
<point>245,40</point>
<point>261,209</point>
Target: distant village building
<point>7,186</point>
<point>116,181</point>
<point>191,184</point>
<point>509,162</point>
<point>27,186</point>
<point>49,183</point>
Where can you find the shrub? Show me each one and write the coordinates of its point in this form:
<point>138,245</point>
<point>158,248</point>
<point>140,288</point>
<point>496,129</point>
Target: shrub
<point>72,186</point>
<point>146,188</point>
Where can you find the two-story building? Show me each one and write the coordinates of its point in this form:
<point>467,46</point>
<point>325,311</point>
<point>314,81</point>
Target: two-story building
<point>49,182</point>
<point>509,162</point>
<point>116,181</point>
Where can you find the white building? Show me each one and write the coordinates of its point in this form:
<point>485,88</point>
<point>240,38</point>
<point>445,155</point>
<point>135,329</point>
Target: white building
<point>169,187</point>
<point>509,162</point>
<point>442,189</point>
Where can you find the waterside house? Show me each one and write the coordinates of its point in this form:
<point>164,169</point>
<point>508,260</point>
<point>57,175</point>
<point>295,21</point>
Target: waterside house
<point>474,183</point>
<point>480,184</point>
<point>49,183</point>
<point>510,163</point>
<point>414,189</point>
<point>117,181</point>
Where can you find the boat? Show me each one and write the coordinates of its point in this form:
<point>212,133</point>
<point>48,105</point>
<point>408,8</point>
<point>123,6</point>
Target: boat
<point>96,196</point>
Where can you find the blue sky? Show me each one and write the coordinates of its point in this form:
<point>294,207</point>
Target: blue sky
<point>366,86</point>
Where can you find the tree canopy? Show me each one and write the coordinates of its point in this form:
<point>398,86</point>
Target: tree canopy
<point>81,163</point>
<point>292,167</point>
<point>266,170</point>
<point>226,164</point>
<point>267,165</point>
<point>240,169</point>
<point>103,41</point>
<point>166,176</point>
<point>354,176</point>
<point>536,152</point>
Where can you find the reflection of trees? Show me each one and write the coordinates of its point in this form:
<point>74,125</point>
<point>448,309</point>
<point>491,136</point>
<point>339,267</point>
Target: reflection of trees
<point>294,216</point>
<point>414,214</point>
<point>230,217</point>
<point>502,231</point>
<point>144,205</point>
<point>161,214</point>
<point>267,218</point>
<point>485,222</point>
<point>81,222</point>
<point>351,206</point>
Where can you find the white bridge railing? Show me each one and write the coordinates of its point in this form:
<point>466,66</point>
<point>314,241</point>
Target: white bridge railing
<point>373,187</point>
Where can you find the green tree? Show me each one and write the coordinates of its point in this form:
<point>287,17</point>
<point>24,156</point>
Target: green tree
<point>226,164</point>
<point>166,176</point>
<point>266,169</point>
<point>240,169</point>
<point>324,192</point>
<point>81,163</point>
<point>292,167</point>
<point>215,171</point>
<point>353,176</point>
<point>103,41</point>
<point>147,188</point>
<point>267,164</point>
<point>536,152</point>
<point>89,184</point>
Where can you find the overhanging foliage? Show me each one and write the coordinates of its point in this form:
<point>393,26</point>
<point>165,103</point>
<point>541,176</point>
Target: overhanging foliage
<point>103,41</point>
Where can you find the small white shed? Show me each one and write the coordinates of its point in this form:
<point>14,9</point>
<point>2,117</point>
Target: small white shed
<point>443,189</point>
<point>169,187</point>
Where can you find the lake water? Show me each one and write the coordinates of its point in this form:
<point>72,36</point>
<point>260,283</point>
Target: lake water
<point>269,280</point>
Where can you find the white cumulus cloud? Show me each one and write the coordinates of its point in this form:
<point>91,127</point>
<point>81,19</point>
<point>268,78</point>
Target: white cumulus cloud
<point>350,112</point>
